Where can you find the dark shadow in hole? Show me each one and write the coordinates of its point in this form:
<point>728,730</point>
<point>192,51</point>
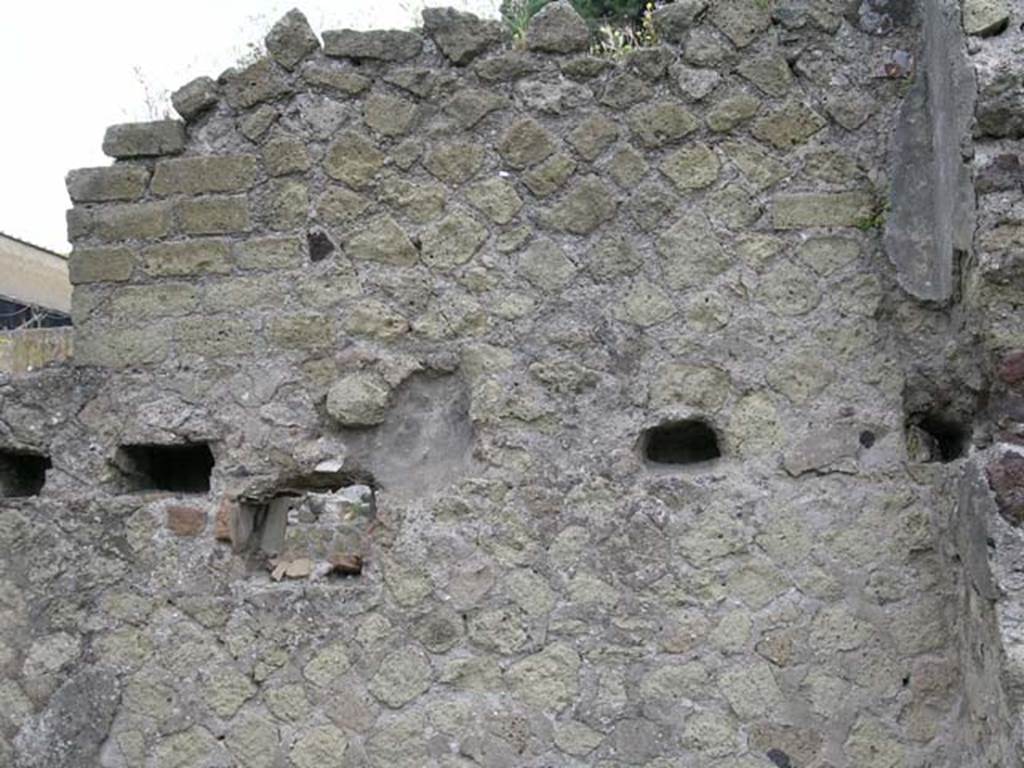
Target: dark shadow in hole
<point>183,468</point>
<point>22,474</point>
<point>690,441</point>
<point>948,435</point>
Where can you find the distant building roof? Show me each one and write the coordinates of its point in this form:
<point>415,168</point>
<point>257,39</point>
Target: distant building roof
<point>32,245</point>
<point>34,276</point>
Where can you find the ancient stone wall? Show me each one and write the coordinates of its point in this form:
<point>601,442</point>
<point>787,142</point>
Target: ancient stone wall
<point>440,400</point>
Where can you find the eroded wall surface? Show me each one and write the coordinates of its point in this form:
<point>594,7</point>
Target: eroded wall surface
<point>469,276</point>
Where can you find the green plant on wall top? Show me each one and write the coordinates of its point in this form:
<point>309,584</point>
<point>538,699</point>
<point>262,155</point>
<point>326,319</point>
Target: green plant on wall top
<point>517,14</point>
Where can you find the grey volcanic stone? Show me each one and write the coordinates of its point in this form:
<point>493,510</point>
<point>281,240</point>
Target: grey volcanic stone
<point>1001,104</point>
<point>557,28</point>
<point>673,21</point>
<point>291,40</point>
<point>358,400</point>
<point>460,36</point>
<point>195,97</point>
<point>76,722</point>
<point>260,81</point>
<point>161,137</point>
<point>382,44</point>
<point>985,17</point>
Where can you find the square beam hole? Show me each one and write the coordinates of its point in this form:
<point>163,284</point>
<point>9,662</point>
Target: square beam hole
<point>22,474</point>
<point>690,441</point>
<point>184,468</point>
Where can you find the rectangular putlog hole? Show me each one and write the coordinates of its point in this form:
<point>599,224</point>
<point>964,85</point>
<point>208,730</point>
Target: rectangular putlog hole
<point>22,474</point>
<point>182,468</point>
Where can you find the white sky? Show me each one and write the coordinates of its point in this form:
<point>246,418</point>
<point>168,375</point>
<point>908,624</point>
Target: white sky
<point>70,69</point>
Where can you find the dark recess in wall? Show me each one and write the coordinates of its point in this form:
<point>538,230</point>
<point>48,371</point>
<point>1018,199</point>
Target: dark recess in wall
<point>183,468</point>
<point>690,441</point>
<point>22,474</point>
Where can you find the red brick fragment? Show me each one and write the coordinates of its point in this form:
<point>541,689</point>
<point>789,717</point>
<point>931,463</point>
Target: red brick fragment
<point>344,564</point>
<point>1011,368</point>
<point>186,521</point>
<point>222,524</point>
<point>1006,478</point>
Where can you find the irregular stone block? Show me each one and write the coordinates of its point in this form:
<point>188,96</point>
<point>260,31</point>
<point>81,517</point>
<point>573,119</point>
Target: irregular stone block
<point>832,450</point>
<point>420,201</point>
<point>823,209</point>
<point>985,17</point>
<point>546,266</point>
<point>121,347</point>
<point>526,143</point>
<point>505,67</point>
<point>269,253</point>
<point>196,175</point>
<point>338,205</point>
<point>692,252</point>
<point>284,156</point>
<point>661,123</point>
<point>497,199</point>
<point>200,257</point>
<point>213,215</point>
<point>453,241</point>
<point>97,185</point>
<point>732,111</point>
<point>388,115</point>
<point>256,123</point>
<point>557,28</point>
<point>550,176</point>
<point>770,73</point>
<point>161,137</point>
<point>285,205</point>
<point>694,83</point>
<point>760,168</point>
<point>354,159</point>
<point>673,21</point>
<point>692,167</point>
<point>548,680</point>
<point>292,332</point>
<point>584,208</point>
<point>382,44</point>
<point>460,36</point>
<point>343,80</point>
<point>291,40</point>
<point>136,221</point>
<point>197,335</point>
<point>260,81</point>
<point>471,105</point>
<point>164,299</point>
<point>624,89</point>
<point>195,97</point>
<point>742,21</point>
<point>359,400</point>
<point>99,265</point>
<point>593,135</point>
<point>382,240</point>
<point>789,126</point>
<point>455,162</point>
<point>1001,104</point>
<point>321,746</point>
